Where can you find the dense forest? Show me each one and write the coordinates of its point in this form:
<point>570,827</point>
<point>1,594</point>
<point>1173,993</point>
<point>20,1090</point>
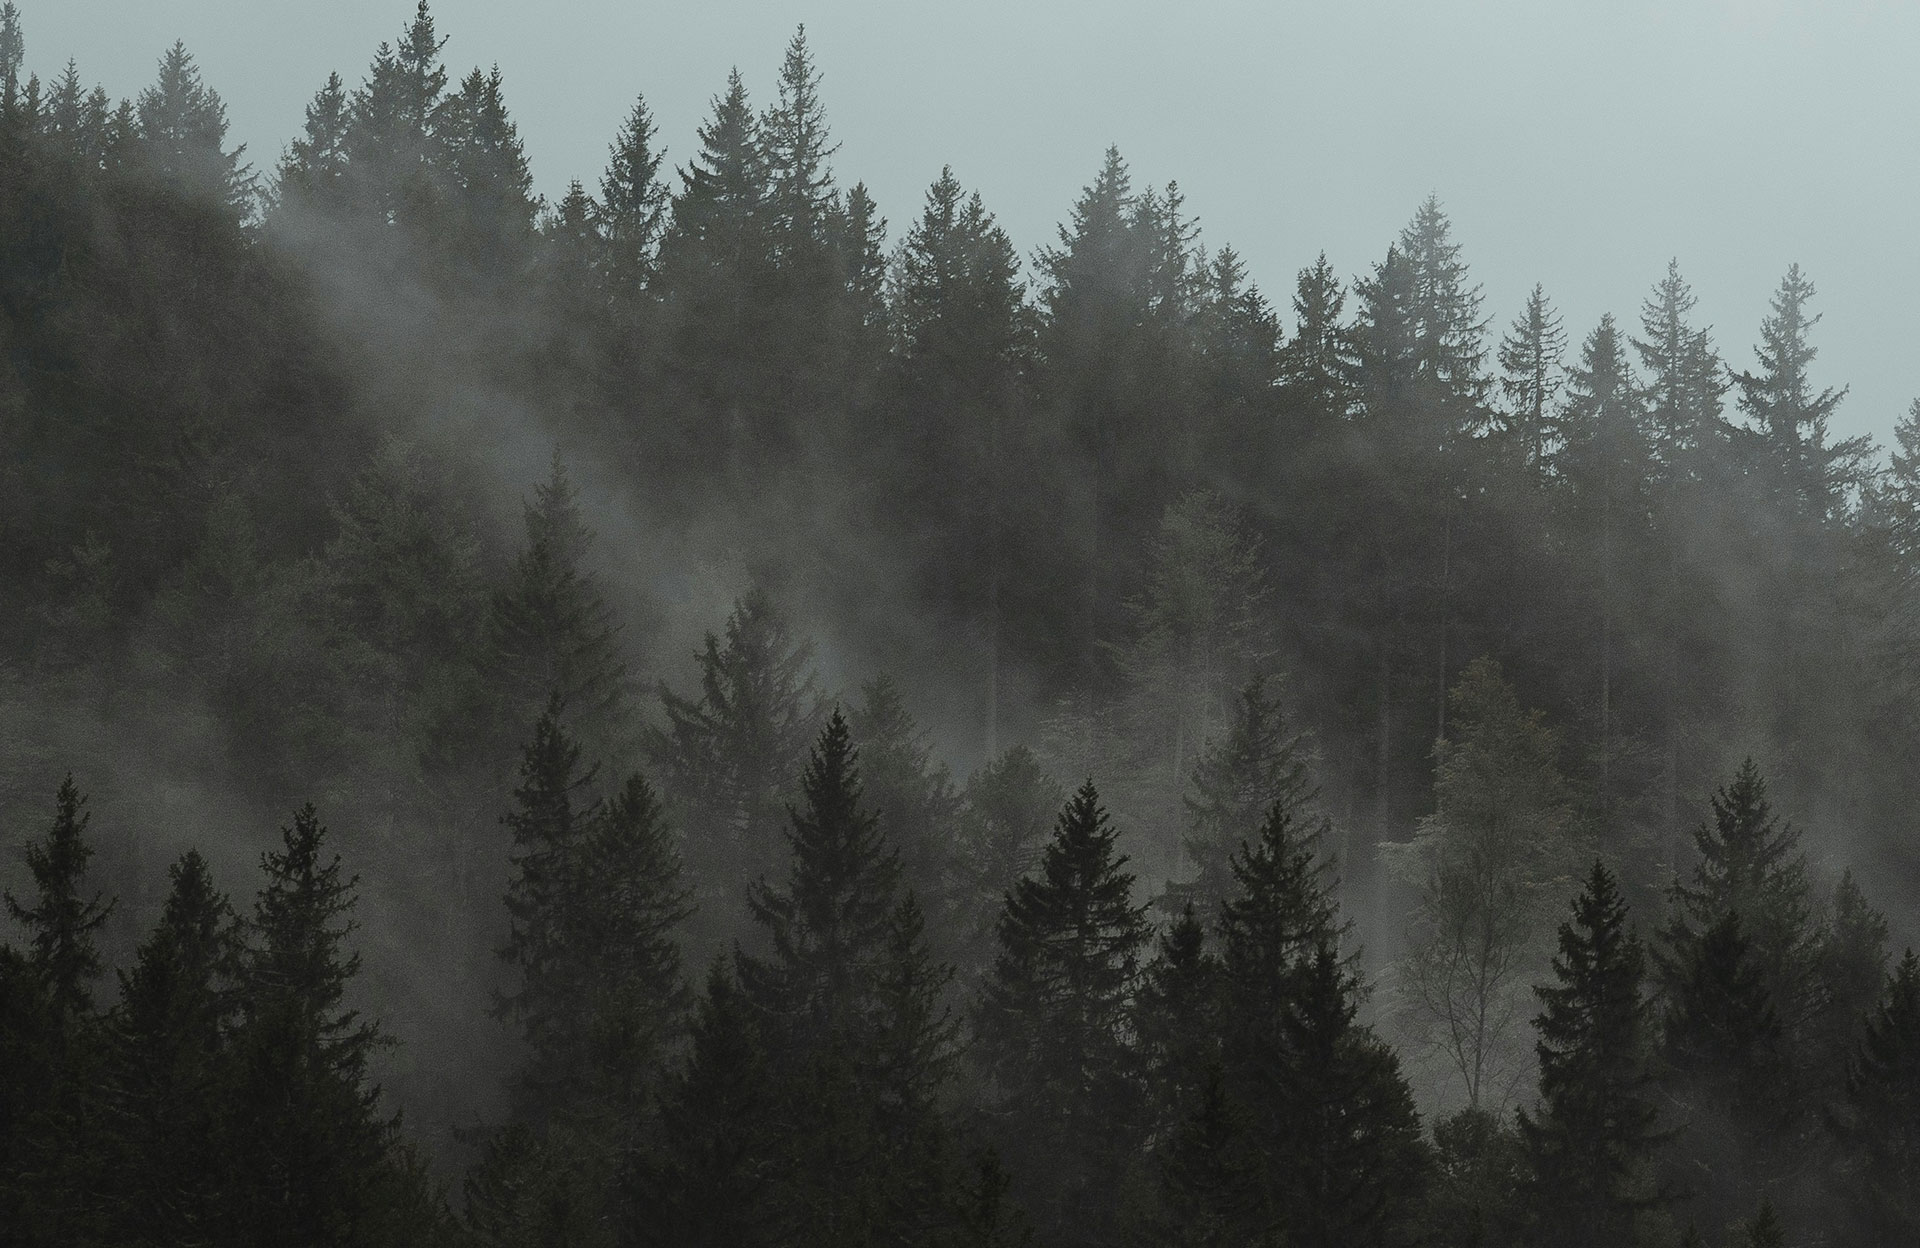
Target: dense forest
<point>686,716</point>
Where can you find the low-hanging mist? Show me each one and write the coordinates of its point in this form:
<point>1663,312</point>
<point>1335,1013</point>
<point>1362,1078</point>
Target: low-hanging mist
<point>836,734</point>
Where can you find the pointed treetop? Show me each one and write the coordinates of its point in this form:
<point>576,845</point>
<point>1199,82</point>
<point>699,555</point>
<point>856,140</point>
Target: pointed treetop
<point>63,924</point>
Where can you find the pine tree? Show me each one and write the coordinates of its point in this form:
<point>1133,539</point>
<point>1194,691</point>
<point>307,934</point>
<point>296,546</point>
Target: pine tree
<point>1280,910</point>
<point>182,125</point>
<point>313,172</point>
<point>913,796</point>
<point>1258,763</point>
<point>1177,1020</point>
<point>1726,1061</point>
<point>167,1066</point>
<point>1789,418</point>
<point>1877,1123</point>
<point>828,927</point>
<point>848,1001</point>
<point>312,1155</point>
<point>552,631</point>
<point>1448,331</point>
<point>727,759</point>
<point>1751,866</point>
<point>1053,1025</point>
<point>1530,363</point>
<point>1315,362</point>
<point>633,201</point>
<point>708,1181</point>
<point>1346,1161</point>
<point>63,956</point>
<point>51,1032</point>
<point>393,148</point>
<point>1008,809</point>
<point>487,168</point>
<point>1592,1138</point>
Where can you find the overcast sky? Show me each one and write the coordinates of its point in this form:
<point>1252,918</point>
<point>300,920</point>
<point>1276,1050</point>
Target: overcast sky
<point>1575,144</point>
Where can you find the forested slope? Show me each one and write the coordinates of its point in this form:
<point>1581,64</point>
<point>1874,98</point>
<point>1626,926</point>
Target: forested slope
<point>1085,748</point>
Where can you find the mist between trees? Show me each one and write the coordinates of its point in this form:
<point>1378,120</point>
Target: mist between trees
<point>815,738</point>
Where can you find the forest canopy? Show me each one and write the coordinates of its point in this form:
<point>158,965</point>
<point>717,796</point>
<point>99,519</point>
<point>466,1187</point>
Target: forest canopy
<point>687,713</point>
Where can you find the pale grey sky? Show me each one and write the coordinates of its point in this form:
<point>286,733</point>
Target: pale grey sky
<point>1576,144</point>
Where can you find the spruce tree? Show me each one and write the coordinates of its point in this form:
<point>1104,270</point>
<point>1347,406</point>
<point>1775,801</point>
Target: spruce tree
<point>63,924</point>
<point>632,204</point>
<point>312,1154</point>
<point>1177,1019</point>
<point>183,124</point>
<point>395,158</point>
<point>1008,809</point>
<point>313,171</point>
<point>847,997</point>
<point>728,758</point>
<point>708,1180</point>
<point>1314,364</point>
<point>1053,1024</point>
<point>1592,1137</point>
<point>1530,364</point>
<point>552,632</point>
<point>1727,1068</point>
<point>1877,1121</point>
<point>168,1066</point>
<point>1345,1161</point>
<point>487,170</point>
<point>1750,865</point>
<point>913,796</point>
<point>1684,381</point>
<point>1258,763</point>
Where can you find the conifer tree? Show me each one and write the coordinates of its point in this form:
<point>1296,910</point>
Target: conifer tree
<point>708,1181</point>
<point>1053,1023</point>
<point>1749,865</point>
<point>632,204</point>
<point>1315,362</point>
<point>63,924</point>
<point>552,631</point>
<point>829,926</point>
<point>800,183</point>
<point>1258,763</point>
<point>1789,417</point>
<point>1008,808</point>
<point>312,1155</point>
<point>1592,1138</point>
<point>487,169</point>
<point>13,49</point>
<point>313,171</point>
<point>1280,910</point>
<point>1177,1021</point>
<point>1877,1122</point>
<point>1530,364</point>
<point>393,148</point>
<point>167,1066</point>
<point>1850,971</point>
<point>728,757</point>
<point>1448,331</point>
<point>913,796</point>
<point>848,999</point>
<point>1346,1160</point>
<point>53,1143</point>
<point>1727,1067</point>
<point>1684,380</point>
<point>182,126</point>
<point>1209,1194</point>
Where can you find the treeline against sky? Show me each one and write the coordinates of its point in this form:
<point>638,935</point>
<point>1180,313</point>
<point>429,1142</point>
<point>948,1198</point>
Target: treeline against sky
<point>1378,632</point>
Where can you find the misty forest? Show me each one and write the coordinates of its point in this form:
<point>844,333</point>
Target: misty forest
<point>692,715</point>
